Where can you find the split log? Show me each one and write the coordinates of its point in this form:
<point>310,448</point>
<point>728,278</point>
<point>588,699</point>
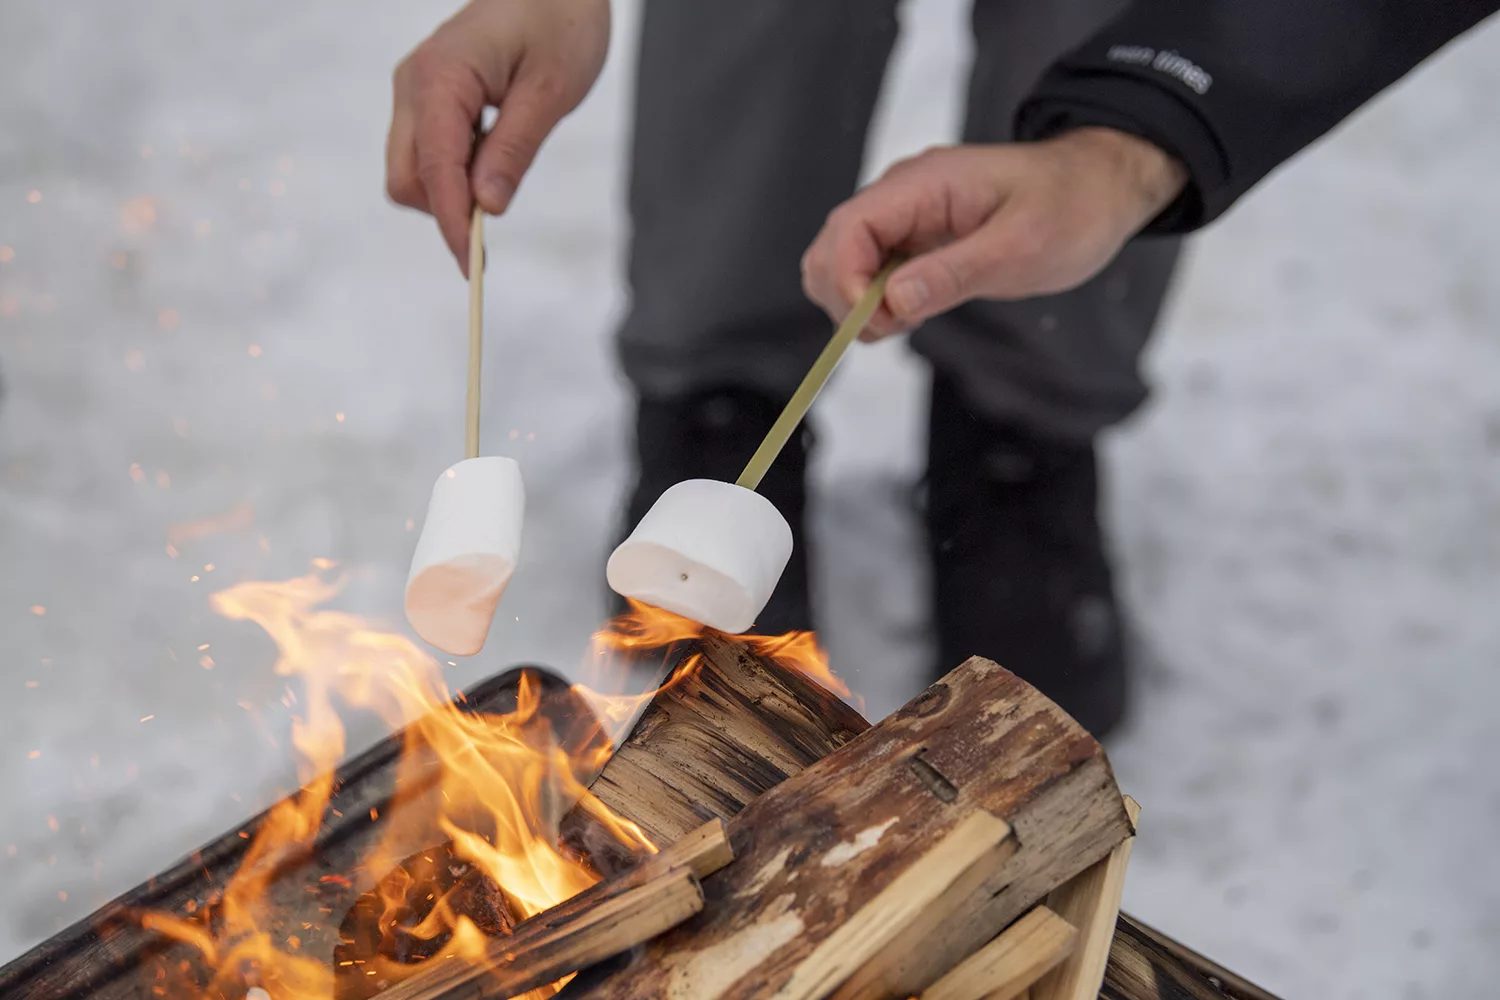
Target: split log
<point>823,844</point>
<point>1007,966</point>
<point>738,725</point>
<point>548,947</point>
<point>603,920</point>
<point>869,948</point>
<point>1091,903</point>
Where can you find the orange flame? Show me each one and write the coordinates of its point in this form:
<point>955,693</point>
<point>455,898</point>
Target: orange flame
<point>494,787</point>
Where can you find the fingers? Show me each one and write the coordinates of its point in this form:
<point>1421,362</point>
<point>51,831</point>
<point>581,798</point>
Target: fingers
<point>528,114</point>
<point>914,207</point>
<point>401,183</point>
<point>446,108</point>
<point>940,279</point>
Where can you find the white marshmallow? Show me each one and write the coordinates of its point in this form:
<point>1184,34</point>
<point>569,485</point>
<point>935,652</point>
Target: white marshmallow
<point>467,552</point>
<point>706,550</point>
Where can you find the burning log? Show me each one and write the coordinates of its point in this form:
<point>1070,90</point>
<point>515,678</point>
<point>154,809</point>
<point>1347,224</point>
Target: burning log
<point>737,726</point>
<point>604,920</point>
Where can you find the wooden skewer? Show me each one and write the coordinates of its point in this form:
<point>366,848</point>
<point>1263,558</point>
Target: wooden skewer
<point>817,377</point>
<point>476,327</point>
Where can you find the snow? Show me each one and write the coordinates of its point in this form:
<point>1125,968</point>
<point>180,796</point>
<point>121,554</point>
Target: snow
<point>211,313</point>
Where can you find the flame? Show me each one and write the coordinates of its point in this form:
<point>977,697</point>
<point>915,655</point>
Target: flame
<point>491,788</point>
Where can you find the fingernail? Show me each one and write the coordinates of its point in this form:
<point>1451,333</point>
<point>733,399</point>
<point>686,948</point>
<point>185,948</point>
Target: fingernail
<point>909,295</point>
<point>494,194</point>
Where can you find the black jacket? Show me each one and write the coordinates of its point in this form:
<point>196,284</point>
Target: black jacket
<point>1235,87</point>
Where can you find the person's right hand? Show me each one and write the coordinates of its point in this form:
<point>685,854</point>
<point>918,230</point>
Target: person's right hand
<point>534,59</point>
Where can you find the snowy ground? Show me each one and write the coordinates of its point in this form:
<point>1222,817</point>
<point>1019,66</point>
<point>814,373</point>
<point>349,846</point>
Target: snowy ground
<point>1308,517</point>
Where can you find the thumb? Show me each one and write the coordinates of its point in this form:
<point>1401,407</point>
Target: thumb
<point>938,280</point>
<point>504,156</point>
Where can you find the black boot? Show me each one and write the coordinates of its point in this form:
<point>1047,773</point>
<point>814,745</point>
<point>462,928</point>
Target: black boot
<point>711,435</point>
<point>1020,572</point>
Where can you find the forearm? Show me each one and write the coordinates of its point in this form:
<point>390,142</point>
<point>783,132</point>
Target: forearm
<point>1231,89</point>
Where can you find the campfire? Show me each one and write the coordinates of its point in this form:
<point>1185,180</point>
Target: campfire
<point>738,831</point>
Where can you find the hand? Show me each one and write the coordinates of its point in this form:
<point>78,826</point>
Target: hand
<point>996,222</point>
<point>535,59</point>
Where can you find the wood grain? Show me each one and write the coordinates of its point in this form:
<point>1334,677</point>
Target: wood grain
<point>822,844</point>
<point>1091,903</point>
<point>1007,966</point>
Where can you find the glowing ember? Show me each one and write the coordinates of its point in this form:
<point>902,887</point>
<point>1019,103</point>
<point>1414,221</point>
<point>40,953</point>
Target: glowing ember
<point>489,790</point>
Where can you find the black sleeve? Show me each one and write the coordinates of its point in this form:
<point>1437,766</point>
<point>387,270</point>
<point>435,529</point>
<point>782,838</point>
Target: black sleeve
<point>1233,88</point>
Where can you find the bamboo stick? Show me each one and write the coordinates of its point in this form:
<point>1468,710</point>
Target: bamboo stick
<point>817,377</point>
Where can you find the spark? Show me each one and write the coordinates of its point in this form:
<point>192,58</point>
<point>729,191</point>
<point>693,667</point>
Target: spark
<point>208,567</point>
<point>253,350</point>
<point>171,550</point>
<point>168,318</point>
<point>33,685</point>
<point>339,416</point>
<point>135,360</point>
<point>62,896</point>
<point>119,259</point>
<point>206,662</point>
<point>52,824</point>
<point>138,215</point>
<point>411,524</point>
<point>194,578</point>
<point>203,647</point>
<point>39,609</point>
<point>137,473</point>
<point>34,755</point>
<point>163,479</point>
<point>7,254</point>
<point>34,197</point>
<point>148,718</point>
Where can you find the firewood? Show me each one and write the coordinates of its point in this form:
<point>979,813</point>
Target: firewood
<point>864,951</point>
<point>601,921</point>
<point>1090,902</point>
<point>677,749</point>
<point>1145,964</point>
<point>707,745</point>
<point>1008,965</point>
<point>824,843</point>
<point>550,945</point>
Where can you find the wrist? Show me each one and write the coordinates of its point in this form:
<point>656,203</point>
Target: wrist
<point>1147,176</point>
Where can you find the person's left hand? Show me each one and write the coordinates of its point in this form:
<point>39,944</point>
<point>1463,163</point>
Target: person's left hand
<point>997,222</point>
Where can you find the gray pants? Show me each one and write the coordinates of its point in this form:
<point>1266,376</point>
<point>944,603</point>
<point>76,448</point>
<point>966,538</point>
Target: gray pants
<point>751,118</point>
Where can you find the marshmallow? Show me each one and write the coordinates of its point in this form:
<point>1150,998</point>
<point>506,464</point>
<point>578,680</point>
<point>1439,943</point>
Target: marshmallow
<point>706,550</point>
<point>466,554</point>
